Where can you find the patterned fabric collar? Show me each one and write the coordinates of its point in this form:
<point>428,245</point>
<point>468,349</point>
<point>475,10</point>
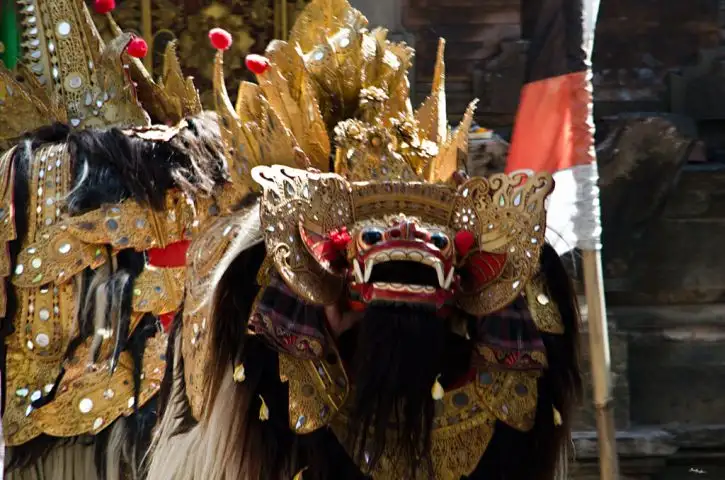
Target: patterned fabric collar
<point>505,340</point>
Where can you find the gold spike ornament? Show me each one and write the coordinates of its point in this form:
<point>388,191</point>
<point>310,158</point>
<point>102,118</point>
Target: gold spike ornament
<point>337,89</point>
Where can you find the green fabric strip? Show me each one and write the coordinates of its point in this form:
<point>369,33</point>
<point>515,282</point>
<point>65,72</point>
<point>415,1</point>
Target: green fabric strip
<point>9,34</point>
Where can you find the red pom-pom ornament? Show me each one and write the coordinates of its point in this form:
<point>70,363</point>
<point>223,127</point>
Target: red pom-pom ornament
<point>464,240</point>
<point>103,7</point>
<point>220,38</point>
<point>257,64</point>
<point>137,47</point>
<point>340,238</point>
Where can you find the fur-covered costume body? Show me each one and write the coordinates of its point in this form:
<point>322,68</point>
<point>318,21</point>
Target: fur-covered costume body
<point>97,208</point>
<point>392,319</point>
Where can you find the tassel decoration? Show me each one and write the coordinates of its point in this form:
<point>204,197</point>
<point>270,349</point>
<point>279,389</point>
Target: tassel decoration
<point>557,417</point>
<point>437,391</point>
<point>263,410</point>
<point>239,373</point>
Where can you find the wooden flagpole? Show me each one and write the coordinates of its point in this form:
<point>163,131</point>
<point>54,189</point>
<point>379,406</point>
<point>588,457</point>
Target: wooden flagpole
<point>600,364</point>
<point>596,306</point>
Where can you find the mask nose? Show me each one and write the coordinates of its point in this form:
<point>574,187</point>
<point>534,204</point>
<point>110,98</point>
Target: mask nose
<point>406,230</point>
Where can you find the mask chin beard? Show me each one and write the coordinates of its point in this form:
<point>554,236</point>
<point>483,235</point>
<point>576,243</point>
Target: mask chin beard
<point>398,354</point>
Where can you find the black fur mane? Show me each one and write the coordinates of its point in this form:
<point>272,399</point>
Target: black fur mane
<point>111,166</point>
<point>272,450</point>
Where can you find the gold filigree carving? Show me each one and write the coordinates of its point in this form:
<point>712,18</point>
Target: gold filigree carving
<point>24,107</point>
<point>291,195</point>
<point>463,423</point>
<point>204,254</point>
<point>331,70</point>
<point>90,397</point>
<point>57,249</point>
<point>543,308</point>
<point>7,222</point>
<point>83,73</point>
<point>508,216</point>
<point>510,396</point>
<point>491,358</point>
<point>44,326</point>
<point>158,290</point>
<point>318,390</point>
<point>56,257</point>
<point>45,320</point>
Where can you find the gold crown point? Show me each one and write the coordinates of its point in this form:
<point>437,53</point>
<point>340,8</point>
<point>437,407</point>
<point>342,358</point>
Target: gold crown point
<point>25,106</point>
<point>453,155</point>
<point>432,114</point>
<point>439,72</point>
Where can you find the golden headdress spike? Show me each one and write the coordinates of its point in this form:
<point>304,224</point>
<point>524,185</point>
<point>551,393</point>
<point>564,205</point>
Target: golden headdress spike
<point>289,90</point>
<point>174,97</point>
<point>65,53</point>
<point>231,130</point>
<point>180,90</point>
<point>314,26</point>
<point>24,107</point>
<point>453,155</point>
<point>254,133</point>
<point>337,79</point>
<point>432,115</point>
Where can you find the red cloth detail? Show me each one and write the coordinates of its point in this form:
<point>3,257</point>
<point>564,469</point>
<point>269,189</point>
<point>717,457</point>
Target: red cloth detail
<point>166,320</point>
<point>137,47</point>
<point>257,64</point>
<point>103,7</point>
<point>220,38</point>
<point>173,255</point>
<point>464,240</point>
<point>512,358</point>
<point>484,267</point>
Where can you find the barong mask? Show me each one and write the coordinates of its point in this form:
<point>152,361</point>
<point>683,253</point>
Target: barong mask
<point>474,246</point>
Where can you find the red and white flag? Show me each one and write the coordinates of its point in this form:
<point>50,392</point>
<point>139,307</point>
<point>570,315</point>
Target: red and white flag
<point>554,129</point>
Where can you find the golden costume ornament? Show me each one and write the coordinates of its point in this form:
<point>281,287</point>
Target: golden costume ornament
<point>86,323</point>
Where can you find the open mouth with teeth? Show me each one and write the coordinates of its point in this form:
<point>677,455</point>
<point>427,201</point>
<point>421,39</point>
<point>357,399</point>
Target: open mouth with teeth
<point>396,274</point>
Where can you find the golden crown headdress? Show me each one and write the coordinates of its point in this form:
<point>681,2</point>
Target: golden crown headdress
<point>392,196</point>
<point>68,74</point>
